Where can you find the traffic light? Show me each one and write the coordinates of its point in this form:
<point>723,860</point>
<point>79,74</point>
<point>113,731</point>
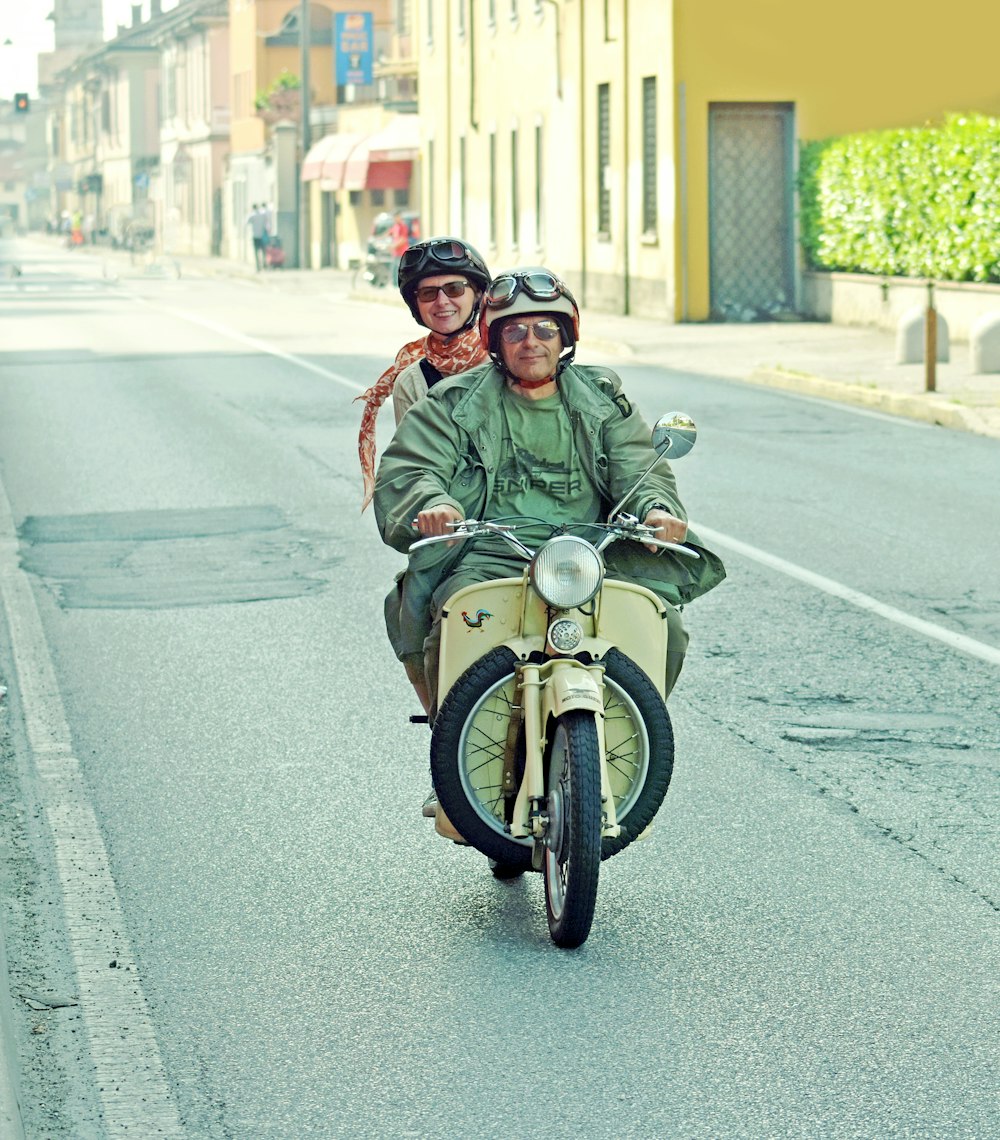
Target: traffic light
<point>21,102</point>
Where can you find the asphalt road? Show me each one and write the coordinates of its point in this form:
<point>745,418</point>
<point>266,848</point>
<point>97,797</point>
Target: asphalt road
<point>224,914</point>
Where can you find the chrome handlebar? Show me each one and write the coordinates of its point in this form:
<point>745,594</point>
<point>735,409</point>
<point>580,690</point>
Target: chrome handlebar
<point>624,527</point>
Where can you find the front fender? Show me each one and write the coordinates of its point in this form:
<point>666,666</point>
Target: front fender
<point>570,686</point>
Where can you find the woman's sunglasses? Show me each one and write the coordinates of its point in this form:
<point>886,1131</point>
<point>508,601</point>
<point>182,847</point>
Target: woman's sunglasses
<point>452,289</point>
<point>539,286</point>
<point>513,332</point>
<point>443,250</point>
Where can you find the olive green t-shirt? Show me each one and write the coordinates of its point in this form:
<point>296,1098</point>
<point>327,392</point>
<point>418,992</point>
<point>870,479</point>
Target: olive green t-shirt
<point>539,474</point>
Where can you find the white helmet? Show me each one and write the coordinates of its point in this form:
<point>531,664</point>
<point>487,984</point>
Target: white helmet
<point>528,290</point>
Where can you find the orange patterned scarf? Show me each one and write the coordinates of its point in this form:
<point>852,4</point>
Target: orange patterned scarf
<point>449,357</point>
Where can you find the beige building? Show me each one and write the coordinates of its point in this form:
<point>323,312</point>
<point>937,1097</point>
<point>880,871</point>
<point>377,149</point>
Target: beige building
<point>193,40</point>
<point>105,131</point>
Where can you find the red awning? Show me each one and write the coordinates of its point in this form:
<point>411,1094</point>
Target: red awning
<point>313,166</point>
<point>384,160</point>
<point>328,159</point>
<point>397,141</point>
<point>351,161</point>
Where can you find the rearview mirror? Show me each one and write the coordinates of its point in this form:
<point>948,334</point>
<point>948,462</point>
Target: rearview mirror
<point>674,435</point>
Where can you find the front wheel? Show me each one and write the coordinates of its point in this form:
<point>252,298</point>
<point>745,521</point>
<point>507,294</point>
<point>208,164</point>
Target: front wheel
<point>572,862</point>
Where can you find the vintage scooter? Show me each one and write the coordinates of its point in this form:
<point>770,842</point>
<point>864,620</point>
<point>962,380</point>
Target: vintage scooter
<point>552,748</point>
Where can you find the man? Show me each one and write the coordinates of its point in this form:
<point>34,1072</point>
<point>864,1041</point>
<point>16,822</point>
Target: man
<point>529,434</point>
<point>257,221</point>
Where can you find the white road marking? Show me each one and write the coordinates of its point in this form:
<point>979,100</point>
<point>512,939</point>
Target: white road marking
<point>929,629</point>
<point>263,346</point>
<point>132,1086</point>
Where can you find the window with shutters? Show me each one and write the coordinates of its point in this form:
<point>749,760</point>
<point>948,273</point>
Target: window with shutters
<point>603,159</point>
<point>515,203</point>
<point>493,190</point>
<point>649,202</point>
<point>539,199</point>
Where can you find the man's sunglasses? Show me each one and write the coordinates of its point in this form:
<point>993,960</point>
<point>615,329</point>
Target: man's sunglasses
<point>513,332</point>
<point>539,286</point>
<point>452,289</point>
<point>442,250</point>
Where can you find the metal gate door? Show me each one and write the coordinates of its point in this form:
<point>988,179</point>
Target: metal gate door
<point>751,232</point>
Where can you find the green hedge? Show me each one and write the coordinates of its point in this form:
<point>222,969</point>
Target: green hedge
<point>912,203</point>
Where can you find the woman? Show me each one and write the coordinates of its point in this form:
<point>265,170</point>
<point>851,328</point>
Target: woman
<point>442,281</point>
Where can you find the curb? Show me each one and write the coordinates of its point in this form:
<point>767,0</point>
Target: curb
<point>929,408</point>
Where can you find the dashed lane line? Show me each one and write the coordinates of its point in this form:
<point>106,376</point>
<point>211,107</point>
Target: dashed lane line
<point>262,346</point>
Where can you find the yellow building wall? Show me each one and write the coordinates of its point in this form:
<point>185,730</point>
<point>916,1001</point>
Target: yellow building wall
<point>852,66</point>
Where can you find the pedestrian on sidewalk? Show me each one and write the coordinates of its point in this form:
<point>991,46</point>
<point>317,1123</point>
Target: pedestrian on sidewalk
<point>257,222</point>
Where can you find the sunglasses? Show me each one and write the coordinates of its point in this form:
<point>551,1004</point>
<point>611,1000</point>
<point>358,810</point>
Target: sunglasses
<point>442,250</point>
<point>513,332</point>
<point>452,289</point>
<point>540,286</point>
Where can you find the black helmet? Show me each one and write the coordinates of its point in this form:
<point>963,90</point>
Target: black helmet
<point>439,255</point>
<point>529,290</point>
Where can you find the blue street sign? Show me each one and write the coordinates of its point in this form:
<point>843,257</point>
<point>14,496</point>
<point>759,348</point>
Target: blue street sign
<point>352,48</point>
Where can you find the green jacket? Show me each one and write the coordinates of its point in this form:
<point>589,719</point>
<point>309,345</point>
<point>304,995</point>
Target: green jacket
<point>447,450</point>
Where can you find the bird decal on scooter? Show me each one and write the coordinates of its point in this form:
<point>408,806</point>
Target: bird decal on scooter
<point>477,621</point>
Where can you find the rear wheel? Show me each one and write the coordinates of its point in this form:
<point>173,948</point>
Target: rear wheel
<point>572,862</point>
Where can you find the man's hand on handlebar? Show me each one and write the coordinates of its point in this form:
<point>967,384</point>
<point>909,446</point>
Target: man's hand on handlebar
<point>436,521</point>
<point>667,527</point>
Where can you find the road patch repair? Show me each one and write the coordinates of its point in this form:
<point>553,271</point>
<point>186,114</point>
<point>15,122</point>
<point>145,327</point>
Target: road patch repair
<point>158,559</point>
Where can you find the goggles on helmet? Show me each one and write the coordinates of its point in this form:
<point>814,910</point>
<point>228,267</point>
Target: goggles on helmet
<point>443,250</point>
<point>538,284</point>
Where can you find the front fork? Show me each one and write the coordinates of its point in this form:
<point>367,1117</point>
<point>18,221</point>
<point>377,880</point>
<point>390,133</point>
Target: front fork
<point>557,686</point>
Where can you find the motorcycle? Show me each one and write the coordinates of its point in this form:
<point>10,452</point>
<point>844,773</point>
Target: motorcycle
<point>552,748</point>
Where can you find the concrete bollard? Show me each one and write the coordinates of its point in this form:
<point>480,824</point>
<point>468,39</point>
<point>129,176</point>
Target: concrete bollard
<point>910,334</point>
<point>984,343</point>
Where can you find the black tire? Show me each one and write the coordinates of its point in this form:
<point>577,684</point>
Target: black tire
<point>572,864</point>
<point>638,738</point>
<point>467,747</point>
<point>639,741</point>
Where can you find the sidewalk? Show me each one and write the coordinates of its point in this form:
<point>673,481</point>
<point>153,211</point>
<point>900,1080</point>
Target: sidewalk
<point>832,362</point>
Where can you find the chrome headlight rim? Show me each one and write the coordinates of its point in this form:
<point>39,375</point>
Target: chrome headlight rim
<point>565,562</point>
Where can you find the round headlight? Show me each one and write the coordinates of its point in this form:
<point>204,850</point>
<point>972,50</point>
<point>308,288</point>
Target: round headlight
<point>567,572</point>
